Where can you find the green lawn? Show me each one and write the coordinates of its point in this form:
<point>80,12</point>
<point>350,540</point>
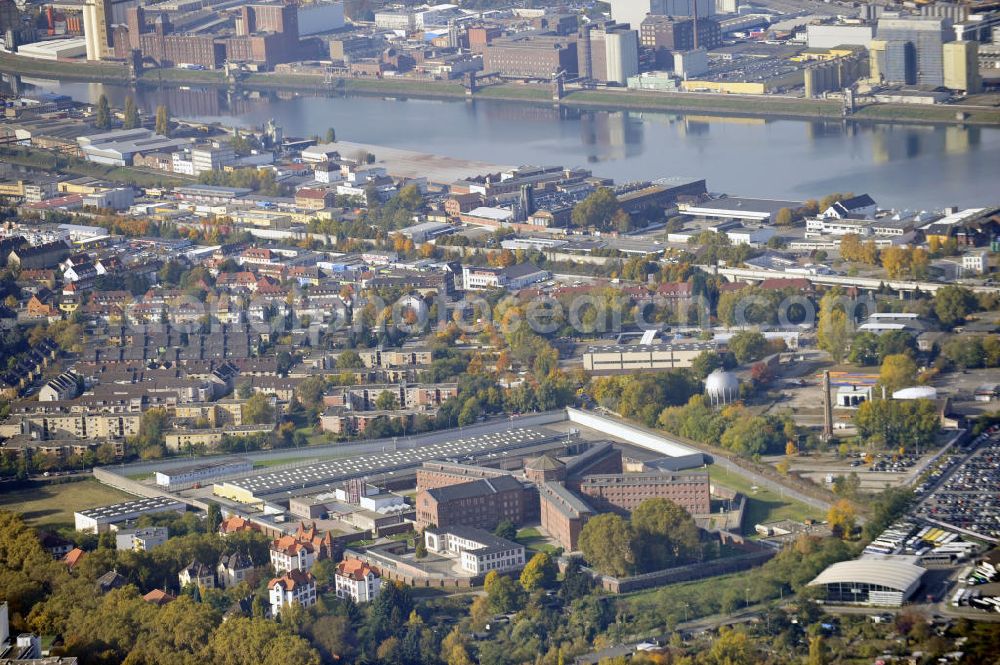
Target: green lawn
<point>763,505</point>
<point>46,504</point>
<point>511,91</point>
<point>653,608</point>
<point>534,541</point>
<point>183,75</point>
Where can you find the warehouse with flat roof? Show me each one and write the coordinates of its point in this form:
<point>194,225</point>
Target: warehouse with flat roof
<point>289,482</point>
<point>100,520</point>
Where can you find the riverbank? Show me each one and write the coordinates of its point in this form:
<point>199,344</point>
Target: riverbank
<point>606,99</point>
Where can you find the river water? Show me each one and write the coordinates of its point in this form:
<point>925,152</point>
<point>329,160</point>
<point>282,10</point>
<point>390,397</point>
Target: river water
<point>901,166</point>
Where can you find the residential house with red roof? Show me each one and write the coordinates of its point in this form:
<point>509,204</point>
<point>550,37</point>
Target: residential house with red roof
<point>293,588</point>
<point>357,580</point>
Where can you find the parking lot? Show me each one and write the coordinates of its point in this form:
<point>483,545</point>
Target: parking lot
<point>821,468</point>
<point>969,498</point>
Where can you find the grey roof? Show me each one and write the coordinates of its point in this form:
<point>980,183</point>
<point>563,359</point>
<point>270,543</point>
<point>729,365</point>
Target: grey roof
<point>650,348</point>
<point>236,561</point>
<point>238,462</point>
<point>330,471</point>
<point>680,463</point>
<point>564,500</point>
<point>111,580</point>
<point>584,460</point>
<point>521,270</point>
<point>481,487</point>
<point>197,569</point>
<point>544,463</point>
<point>489,542</point>
<point>860,201</point>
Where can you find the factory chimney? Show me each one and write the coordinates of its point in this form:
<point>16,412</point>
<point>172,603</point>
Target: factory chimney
<point>827,406</point>
<point>695,25</point>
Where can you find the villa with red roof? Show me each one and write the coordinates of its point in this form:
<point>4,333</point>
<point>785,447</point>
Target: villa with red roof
<point>357,580</point>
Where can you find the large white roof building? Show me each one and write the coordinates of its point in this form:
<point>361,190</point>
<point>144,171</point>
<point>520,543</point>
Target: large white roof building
<point>888,581</point>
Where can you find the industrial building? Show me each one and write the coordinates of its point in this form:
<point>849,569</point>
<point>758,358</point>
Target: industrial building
<point>608,52</point>
<point>55,49</point>
<point>118,147</point>
<point>642,357</point>
<point>886,581</point>
<point>100,520</point>
<point>196,473</point>
<point>667,34</point>
<point>909,50</point>
<point>634,11</point>
<point>961,67</point>
<point>254,489</point>
<point>97,21</point>
<point>530,56</point>
<point>827,36</point>
<point>760,211</point>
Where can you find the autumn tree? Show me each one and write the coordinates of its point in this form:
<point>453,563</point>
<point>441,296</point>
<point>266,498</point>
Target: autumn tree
<point>852,248</point>
<point>817,651</point>
<point>732,647</point>
<point>539,573</point>
<point>783,217</point>
<point>841,518</point>
<point>898,371</point>
<point>895,261</point>
<point>833,332</point>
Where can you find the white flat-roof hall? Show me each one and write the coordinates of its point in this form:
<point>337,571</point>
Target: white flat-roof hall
<point>888,581</point>
<point>99,520</point>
